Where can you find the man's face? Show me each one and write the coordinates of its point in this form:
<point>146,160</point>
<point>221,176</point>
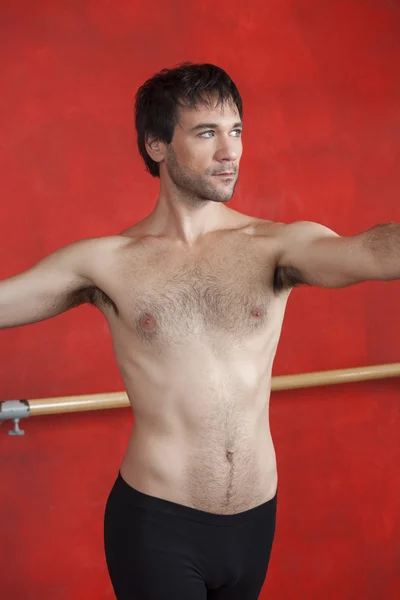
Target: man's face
<point>203,157</point>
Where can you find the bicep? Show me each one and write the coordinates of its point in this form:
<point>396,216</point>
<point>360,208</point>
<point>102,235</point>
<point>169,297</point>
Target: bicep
<point>53,285</point>
<point>321,257</point>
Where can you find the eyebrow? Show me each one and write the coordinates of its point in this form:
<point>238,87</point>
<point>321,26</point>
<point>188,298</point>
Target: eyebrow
<point>214,126</point>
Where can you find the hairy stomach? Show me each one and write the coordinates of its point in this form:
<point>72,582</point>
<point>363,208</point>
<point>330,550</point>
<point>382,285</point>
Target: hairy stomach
<point>204,471</point>
<point>201,435</point>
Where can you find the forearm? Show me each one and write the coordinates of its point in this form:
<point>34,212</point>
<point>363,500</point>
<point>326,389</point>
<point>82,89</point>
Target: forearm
<point>384,242</point>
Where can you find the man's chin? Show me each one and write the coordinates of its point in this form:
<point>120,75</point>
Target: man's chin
<point>226,193</point>
<point>218,197</point>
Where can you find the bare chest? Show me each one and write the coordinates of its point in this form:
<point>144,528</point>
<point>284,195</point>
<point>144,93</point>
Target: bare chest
<point>226,289</point>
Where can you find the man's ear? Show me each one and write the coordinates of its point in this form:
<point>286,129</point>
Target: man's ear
<point>155,148</point>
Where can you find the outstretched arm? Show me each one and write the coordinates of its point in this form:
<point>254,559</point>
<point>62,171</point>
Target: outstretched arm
<point>53,285</point>
<point>320,257</point>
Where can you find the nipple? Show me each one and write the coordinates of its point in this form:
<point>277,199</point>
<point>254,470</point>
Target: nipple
<point>147,322</point>
<point>256,312</point>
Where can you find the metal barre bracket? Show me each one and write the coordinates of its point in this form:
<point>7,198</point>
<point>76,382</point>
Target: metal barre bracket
<point>14,410</point>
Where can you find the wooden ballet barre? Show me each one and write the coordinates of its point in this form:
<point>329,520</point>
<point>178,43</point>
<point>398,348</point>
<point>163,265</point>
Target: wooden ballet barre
<point>68,404</point>
<point>15,410</point>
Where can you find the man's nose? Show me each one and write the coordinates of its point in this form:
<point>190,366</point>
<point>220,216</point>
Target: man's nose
<point>227,151</point>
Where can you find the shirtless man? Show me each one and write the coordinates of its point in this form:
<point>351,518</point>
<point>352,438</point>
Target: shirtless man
<point>194,296</point>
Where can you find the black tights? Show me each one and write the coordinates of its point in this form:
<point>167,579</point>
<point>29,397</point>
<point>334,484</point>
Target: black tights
<point>160,550</point>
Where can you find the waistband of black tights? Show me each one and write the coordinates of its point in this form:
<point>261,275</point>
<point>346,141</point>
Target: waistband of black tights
<point>152,504</point>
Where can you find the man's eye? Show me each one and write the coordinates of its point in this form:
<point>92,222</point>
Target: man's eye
<point>208,134</point>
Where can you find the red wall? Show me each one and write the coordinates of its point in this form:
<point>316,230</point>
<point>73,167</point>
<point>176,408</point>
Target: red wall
<point>321,92</point>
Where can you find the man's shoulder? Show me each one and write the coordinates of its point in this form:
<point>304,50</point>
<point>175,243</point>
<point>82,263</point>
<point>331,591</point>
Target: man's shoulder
<point>294,229</point>
<point>264,228</point>
<point>94,250</point>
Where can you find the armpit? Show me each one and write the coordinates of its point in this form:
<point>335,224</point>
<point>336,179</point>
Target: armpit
<point>92,295</point>
<point>287,277</point>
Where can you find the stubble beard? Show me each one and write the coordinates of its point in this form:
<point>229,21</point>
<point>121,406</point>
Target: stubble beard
<point>195,188</point>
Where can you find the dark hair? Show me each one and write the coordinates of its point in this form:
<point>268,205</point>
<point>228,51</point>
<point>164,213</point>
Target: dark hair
<point>158,99</point>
